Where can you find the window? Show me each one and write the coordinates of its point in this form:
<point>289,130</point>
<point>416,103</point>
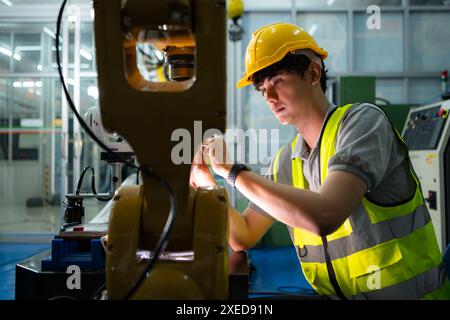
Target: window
<point>429,41</point>
<point>424,91</point>
<point>330,32</point>
<point>5,52</point>
<point>391,90</point>
<point>378,50</point>
<point>27,52</point>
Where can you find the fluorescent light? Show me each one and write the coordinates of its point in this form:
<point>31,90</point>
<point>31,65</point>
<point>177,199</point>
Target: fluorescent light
<point>72,18</point>
<point>39,67</point>
<point>38,84</point>
<point>28,48</point>
<point>9,53</point>
<point>7,2</point>
<point>330,2</point>
<point>31,123</point>
<point>17,84</point>
<point>85,54</point>
<point>28,84</point>
<point>6,52</point>
<point>93,92</point>
<point>49,32</point>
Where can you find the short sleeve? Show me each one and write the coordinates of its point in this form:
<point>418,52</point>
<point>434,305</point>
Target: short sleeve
<point>364,145</point>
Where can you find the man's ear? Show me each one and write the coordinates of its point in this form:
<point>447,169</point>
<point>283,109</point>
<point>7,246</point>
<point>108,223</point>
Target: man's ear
<point>316,73</point>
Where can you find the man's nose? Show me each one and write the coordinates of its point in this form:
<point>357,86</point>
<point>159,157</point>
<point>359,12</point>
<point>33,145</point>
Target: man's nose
<point>271,94</point>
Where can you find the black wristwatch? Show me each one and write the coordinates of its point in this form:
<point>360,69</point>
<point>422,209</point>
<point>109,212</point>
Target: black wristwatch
<point>235,169</point>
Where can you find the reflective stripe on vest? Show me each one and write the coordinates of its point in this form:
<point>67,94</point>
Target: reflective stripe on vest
<point>398,242</point>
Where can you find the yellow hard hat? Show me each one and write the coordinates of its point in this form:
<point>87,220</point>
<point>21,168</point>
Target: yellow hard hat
<point>269,44</point>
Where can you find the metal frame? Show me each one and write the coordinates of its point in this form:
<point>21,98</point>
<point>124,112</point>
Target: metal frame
<point>273,6</point>
<point>46,14</point>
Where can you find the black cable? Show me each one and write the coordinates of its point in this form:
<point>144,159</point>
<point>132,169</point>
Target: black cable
<point>160,247</point>
<point>164,237</point>
<point>69,99</point>
<point>137,175</point>
<point>80,180</point>
<point>94,190</point>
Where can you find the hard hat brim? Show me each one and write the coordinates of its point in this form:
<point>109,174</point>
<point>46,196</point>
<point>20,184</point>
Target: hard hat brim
<point>245,80</point>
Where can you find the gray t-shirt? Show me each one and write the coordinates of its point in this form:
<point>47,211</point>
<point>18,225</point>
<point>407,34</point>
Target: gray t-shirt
<point>366,146</point>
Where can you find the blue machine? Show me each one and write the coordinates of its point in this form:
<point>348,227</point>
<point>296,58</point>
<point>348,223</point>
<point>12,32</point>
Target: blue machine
<point>88,255</point>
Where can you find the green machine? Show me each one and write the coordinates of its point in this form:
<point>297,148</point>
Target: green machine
<point>362,89</point>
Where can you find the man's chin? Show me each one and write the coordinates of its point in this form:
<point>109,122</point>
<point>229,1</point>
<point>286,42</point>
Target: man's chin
<point>283,120</point>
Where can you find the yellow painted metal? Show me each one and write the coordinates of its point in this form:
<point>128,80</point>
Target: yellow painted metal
<point>146,114</point>
<point>206,277</point>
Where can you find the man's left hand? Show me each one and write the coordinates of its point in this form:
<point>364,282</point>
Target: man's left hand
<point>217,151</point>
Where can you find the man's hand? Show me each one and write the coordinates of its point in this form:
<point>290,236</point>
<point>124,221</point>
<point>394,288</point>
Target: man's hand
<point>217,151</point>
<point>200,174</point>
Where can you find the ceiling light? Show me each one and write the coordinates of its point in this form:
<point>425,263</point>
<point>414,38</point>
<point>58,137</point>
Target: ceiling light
<point>6,51</point>
<point>49,32</point>
<point>28,84</point>
<point>28,48</point>
<point>7,2</point>
<point>85,54</point>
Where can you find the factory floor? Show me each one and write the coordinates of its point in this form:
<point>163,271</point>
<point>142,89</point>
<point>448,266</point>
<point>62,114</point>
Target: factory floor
<point>23,219</point>
<point>10,255</point>
<point>26,231</point>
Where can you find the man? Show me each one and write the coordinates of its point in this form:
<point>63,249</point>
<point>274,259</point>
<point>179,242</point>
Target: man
<point>344,186</point>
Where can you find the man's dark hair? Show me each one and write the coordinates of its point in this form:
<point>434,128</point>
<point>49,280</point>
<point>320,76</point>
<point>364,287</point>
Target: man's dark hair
<point>291,63</point>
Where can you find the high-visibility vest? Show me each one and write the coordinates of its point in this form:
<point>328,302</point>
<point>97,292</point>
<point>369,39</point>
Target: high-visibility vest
<point>379,252</point>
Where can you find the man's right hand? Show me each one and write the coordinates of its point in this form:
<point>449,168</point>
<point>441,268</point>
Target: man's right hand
<point>201,176</point>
